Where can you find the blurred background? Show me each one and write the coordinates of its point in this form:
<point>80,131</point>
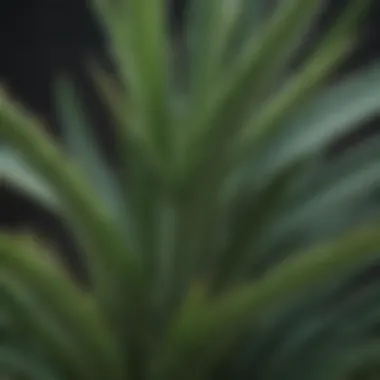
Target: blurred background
<point>41,38</point>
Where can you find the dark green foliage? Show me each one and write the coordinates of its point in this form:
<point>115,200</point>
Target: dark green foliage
<point>227,244</point>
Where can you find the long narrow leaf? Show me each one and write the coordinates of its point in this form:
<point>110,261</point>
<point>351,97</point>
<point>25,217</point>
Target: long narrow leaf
<point>204,334</point>
<point>112,264</point>
<point>333,113</point>
<point>31,318</point>
<point>80,142</point>
<point>323,330</point>
<point>342,190</point>
<point>150,51</point>
<point>16,173</point>
<point>67,302</point>
<point>332,49</point>
<point>260,54</point>
<point>210,25</point>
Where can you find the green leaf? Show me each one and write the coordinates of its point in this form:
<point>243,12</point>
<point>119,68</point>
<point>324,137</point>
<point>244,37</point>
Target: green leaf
<point>63,301</point>
<point>252,214</point>
<point>331,198</point>
<point>130,137</point>
<point>333,113</point>
<point>319,200</point>
<point>204,335</point>
<point>112,265</point>
<point>324,331</point>
<point>150,54</point>
<point>16,362</point>
<point>135,123</point>
<point>330,306</point>
<point>79,141</point>
<point>22,177</point>
<point>140,163</point>
<point>333,48</point>
<point>257,64</point>
<point>250,20</point>
<point>210,25</point>
<point>115,20</point>
<point>111,93</point>
<point>361,357</point>
<point>33,319</point>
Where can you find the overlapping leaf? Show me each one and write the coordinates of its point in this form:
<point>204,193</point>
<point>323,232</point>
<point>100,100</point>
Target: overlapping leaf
<point>218,192</point>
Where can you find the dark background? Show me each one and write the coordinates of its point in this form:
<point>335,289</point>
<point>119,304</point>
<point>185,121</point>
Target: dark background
<point>40,38</point>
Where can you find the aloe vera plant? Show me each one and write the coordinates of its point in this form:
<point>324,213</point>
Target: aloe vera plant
<point>224,243</point>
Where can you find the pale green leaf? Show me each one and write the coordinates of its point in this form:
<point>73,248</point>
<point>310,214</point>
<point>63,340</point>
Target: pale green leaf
<point>112,264</point>
<point>80,143</point>
<point>16,173</point>
<point>331,114</point>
